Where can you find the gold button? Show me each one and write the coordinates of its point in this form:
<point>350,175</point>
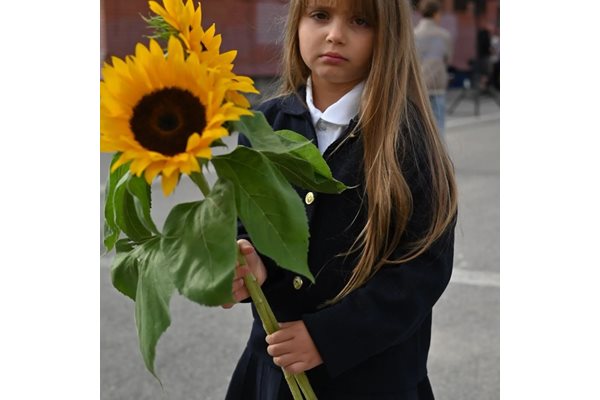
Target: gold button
<point>309,198</point>
<point>297,282</point>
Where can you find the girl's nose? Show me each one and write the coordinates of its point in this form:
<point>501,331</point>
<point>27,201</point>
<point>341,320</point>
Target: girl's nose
<point>336,33</point>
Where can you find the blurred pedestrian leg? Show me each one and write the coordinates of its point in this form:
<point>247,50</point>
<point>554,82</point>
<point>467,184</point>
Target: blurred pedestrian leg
<point>438,105</point>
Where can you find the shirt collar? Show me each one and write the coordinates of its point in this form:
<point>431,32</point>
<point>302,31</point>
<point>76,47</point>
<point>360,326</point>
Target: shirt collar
<point>340,112</point>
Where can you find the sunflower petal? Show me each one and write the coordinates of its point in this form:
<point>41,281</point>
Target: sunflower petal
<point>139,164</point>
<point>170,168</point>
<point>153,170</point>
<point>191,165</point>
<point>122,160</point>
<point>194,141</point>
<point>175,50</point>
<point>237,99</point>
<point>169,183</point>
<point>227,58</point>
<point>204,153</point>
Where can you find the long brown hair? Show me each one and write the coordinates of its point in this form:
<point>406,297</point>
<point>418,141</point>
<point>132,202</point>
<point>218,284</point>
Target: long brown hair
<point>394,80</point>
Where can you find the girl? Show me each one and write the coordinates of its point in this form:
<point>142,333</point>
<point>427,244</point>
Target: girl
<point>382,250</point>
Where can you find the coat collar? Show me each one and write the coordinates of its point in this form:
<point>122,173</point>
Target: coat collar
<point>294,104</point>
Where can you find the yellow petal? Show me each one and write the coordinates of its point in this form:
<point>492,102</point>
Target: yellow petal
<point>204,153</point>
<point>169,183</point>
<point>175,50</point>
<point>238,99</point>
<point>153,170</point>
<point>212,134</point>
<point>138,165</point>
<point>228,57</point>
<point>193,141</point>
<point>191,165</point>
<point>169,169</point>
<point>123,159</point>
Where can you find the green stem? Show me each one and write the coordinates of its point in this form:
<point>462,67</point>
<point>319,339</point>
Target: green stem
<point>200,181</point>
<point>293,385</point>
<point>271,325</point>
<point>304,384</point>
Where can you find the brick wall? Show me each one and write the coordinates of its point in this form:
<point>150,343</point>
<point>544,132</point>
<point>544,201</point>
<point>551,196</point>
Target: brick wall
<point>246,25</point>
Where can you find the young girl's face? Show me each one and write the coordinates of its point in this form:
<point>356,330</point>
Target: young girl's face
<point>335,43</point>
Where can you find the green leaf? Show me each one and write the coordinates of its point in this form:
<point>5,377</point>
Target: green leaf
<point>269,208</point>
<point>126,214</point>
<point>124,270</point>
<point>142,199</point>
<point>304,166</point>
<point>140,272</point>
<point>200,243</point>
<point>296,157</point>
<point>111,229</point>
<point>261,135</point>
<point>153,294</point>
<point>162,30</point>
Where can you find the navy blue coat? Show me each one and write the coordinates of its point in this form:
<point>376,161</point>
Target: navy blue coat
<point>374,343</point>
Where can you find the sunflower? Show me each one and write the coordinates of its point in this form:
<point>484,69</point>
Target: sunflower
<point>187,21</point>
<point>163,112</point>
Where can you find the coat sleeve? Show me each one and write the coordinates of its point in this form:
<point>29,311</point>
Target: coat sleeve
<point>393,304</point>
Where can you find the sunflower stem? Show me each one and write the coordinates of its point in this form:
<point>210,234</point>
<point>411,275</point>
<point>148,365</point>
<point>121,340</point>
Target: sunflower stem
<point>304,384</point>
<point>200,181</point>
<point>293,385</point>
<point>270,326</point>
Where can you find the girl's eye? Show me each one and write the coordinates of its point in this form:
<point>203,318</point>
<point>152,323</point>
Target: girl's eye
<point>319,15</point>
<point>361,21</point>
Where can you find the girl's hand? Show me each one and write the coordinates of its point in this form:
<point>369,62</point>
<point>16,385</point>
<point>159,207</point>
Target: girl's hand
<point>253,264</point>
<point>292,348</point>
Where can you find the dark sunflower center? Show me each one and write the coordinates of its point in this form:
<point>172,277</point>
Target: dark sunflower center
<point>163,120</point>
<point>168,122</point>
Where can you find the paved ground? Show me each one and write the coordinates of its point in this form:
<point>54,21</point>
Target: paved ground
<point>198,352</point>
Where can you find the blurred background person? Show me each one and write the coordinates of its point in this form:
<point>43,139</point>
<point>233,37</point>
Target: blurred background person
<point>495,58</point>
<point>434,47</point>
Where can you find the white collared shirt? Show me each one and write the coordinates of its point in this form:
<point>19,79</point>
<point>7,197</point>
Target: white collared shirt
<point>332,122</point>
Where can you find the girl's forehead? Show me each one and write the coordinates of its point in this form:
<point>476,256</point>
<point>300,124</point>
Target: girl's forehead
<point>323,3</point>
<point>355,6</point>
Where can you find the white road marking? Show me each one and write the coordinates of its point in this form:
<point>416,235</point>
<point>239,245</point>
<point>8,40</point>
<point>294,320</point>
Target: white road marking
<point>475,278</point>
<point>458,122</point>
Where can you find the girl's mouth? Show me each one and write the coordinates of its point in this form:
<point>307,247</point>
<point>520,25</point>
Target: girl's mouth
<point>333,58</point>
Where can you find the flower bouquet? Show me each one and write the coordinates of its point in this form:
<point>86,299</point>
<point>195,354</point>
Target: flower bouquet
<point>163,110</point>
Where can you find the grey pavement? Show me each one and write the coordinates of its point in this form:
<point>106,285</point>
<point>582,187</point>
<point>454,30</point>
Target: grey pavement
<point>198,353</point>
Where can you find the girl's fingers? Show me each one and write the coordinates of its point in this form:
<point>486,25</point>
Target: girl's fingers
<point>296,367</point>
<point>240,272</point>
<point>240,295</point>
<point>237,285</point>
<point>276,350</point>
<point>245,247</point>
<point>282,335</point>
<point>285,360</point>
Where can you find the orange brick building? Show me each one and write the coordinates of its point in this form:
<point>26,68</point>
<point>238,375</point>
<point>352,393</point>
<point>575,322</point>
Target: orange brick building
<point>254,27</point>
